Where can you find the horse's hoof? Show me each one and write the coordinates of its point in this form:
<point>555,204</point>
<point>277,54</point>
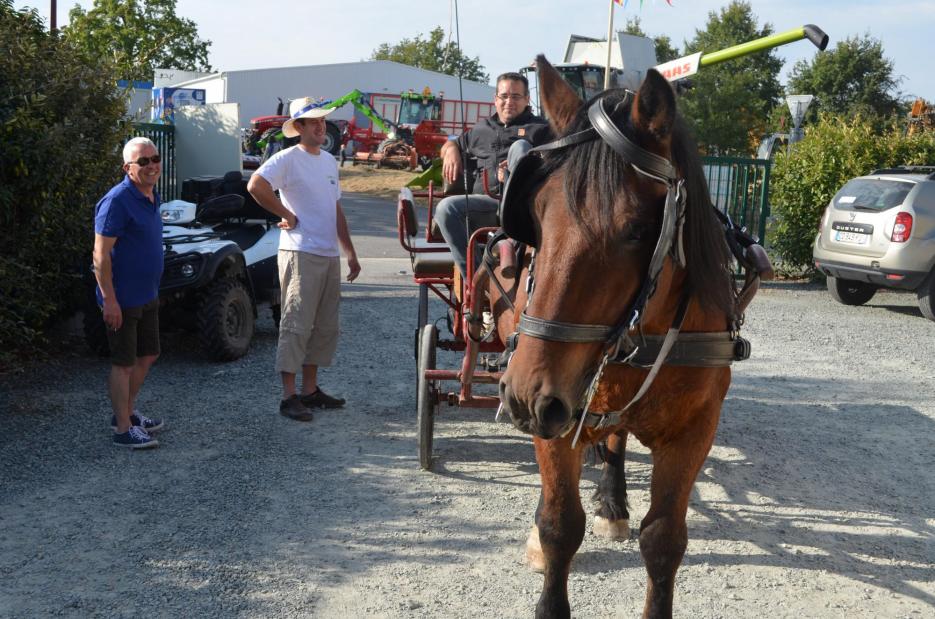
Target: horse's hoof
<point>611,529</point>
<point>534,557</point>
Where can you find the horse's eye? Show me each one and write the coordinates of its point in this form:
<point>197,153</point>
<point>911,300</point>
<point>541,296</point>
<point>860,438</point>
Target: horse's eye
<point>637,232</point>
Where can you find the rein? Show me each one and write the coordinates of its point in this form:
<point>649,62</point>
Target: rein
<point>717,349</point>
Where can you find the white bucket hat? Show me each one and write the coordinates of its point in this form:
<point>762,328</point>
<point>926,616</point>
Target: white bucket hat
<point>306,107</point>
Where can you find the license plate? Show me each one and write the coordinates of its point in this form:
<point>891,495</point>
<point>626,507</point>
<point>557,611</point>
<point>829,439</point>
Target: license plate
<point>855,238</point>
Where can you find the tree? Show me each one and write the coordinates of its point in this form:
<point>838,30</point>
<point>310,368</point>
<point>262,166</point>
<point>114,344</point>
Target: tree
<point>665,51</point>
<point>434,54</point>
<point>853,78</point>
<point>730,103</point>
<point>138,36</point>
<point>60,115</point>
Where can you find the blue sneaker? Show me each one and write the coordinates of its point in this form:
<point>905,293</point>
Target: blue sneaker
<point>135,438</point>
<point>142,421</point>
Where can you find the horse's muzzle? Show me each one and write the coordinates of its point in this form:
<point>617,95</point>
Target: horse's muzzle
<point>548,418</point>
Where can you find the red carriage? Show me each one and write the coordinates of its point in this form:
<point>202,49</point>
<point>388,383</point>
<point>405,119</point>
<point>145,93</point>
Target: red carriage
<point>434,272</point>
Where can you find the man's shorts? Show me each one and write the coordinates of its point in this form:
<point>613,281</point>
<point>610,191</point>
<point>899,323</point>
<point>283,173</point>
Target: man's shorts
<point>138,336</point>
<point>311,294</point>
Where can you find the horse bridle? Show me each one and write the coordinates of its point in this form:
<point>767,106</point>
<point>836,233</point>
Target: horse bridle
<point>616,337</point>
<point>651,166</point>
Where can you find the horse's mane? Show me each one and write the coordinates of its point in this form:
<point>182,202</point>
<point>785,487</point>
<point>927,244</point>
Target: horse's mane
<point>596,175</point>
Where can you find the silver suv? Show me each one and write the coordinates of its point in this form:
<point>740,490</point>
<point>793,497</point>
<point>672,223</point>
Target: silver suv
<point>878,231</point>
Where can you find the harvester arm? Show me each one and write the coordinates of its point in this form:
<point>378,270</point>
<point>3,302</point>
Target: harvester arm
<point>360,103</point>
<point>689,65</point>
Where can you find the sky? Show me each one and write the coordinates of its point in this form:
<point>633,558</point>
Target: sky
<point>507,34</point>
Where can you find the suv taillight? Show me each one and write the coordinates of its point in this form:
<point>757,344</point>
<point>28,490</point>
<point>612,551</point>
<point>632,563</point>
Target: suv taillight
<point>902,228</point>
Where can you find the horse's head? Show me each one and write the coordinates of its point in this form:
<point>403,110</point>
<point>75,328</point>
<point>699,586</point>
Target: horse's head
<point>594,216</point>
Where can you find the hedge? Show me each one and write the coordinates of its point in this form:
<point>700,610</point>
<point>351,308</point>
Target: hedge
<point>61,130</point>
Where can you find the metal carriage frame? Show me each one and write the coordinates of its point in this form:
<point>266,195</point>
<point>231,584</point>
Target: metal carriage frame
<point>434,272</point>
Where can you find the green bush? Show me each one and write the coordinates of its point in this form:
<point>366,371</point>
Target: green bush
<point>61,130</point>
<point>834,150</point>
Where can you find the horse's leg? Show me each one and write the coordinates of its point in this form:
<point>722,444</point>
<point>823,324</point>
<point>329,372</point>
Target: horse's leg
<point>612,520</point>
<point>559,522</point>
<point>663,533</point>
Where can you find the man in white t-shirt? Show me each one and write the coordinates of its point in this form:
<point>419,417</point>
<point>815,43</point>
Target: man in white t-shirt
<point>313,226</point>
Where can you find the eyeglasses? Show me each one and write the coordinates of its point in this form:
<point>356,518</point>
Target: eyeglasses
<point>513,97</point>
<point>145,161</point>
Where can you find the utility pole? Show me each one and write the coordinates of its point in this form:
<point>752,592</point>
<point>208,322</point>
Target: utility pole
<point>53,12</point>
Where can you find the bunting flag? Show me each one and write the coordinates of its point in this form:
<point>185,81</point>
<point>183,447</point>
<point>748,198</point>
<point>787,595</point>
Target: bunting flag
<point>623,3</point>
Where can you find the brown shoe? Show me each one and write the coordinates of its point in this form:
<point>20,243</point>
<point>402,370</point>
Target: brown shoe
<point>320,399</point>
<point>293,408</point>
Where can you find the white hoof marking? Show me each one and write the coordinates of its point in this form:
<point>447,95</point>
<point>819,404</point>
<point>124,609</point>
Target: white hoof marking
<point>611,529</point>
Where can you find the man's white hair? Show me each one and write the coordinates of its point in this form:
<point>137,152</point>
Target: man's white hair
<point>130,146</point>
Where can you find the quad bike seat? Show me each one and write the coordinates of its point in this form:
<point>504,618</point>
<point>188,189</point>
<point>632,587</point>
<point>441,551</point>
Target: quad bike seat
<point>199,189</point>
<point>221,208</point>
<point>245,236</point>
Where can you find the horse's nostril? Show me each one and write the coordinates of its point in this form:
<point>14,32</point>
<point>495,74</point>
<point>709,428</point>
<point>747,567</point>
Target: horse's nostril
<point>552,414</point>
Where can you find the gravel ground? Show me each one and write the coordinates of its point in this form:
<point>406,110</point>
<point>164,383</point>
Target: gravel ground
<point>817,499</point>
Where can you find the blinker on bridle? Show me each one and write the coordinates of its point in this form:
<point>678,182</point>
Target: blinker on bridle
<point>655,168</point>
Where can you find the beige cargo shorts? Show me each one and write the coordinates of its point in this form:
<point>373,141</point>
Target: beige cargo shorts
<point>311,293</point>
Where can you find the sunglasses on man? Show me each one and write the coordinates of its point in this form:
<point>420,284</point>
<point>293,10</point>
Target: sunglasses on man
<point>145,161</point>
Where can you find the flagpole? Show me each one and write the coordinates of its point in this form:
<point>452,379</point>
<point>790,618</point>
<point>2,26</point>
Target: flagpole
<point>610,33</point>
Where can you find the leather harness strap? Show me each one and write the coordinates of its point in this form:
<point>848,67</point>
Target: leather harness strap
<point>648,163</point>
<point>556,331</point>
<point>697,350</point>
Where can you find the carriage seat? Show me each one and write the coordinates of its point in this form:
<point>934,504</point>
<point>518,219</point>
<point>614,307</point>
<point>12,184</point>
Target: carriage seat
<point>432,264</point>
<point>427,260</point>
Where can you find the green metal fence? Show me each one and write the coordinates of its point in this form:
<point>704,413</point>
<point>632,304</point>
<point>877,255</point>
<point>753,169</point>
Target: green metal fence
<point>163,136</point>
<point>740,188</point>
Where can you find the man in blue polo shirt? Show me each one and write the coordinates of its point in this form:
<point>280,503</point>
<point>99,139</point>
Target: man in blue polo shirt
<point>128,258</point>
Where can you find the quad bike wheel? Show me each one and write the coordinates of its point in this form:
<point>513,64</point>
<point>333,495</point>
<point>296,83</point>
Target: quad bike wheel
<point>850,292</point>
<point>427,399</point>
<point>225,320</point>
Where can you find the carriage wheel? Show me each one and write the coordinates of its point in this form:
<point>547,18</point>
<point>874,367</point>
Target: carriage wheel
<point>423,317</point>
<point>428,396</point>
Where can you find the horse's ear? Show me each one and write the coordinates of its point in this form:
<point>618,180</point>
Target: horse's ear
<point>653,111</point>
<point>559,101</point>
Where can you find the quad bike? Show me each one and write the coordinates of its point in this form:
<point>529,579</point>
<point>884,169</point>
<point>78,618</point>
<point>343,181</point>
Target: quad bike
<point>220,264</point>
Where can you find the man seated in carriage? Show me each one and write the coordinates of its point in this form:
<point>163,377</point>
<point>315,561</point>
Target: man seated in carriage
<point>489,142</point>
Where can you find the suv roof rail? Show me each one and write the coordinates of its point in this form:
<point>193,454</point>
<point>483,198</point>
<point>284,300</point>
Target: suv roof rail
<point>909,169</point>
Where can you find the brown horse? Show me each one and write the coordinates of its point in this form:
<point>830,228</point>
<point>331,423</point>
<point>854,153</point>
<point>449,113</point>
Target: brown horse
<point>627,249</point>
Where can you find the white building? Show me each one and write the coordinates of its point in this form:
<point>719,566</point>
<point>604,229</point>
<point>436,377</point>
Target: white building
<point>258,90</point>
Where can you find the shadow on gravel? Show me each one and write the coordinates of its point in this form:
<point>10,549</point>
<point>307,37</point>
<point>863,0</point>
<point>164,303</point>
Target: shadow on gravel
<point>905,310</point>
<point>852,495</point>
